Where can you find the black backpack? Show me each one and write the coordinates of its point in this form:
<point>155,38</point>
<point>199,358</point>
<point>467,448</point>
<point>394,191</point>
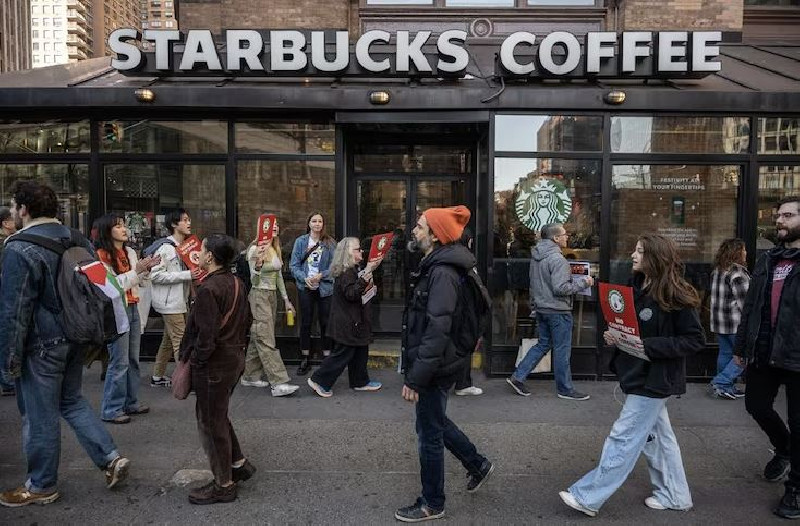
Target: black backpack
<point>241,268</point>
<point>472,316</point>
<point>87,314</point>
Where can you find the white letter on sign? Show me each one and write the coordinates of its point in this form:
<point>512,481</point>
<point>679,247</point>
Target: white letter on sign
<point>595,49</point>
<point>282,43</point>
<point>200,47</point>
<point>255,45</point>
<point>701,51</point>
<point>117,41</point>
<point>163,40</point>
<point>447,48</point>
<point>634,46</point>
<point>573,52</point>
<point>671,45</point>
<point>412,52</point>
<point>507,52</point>
<point>341,57</point>
<point>362,51</point>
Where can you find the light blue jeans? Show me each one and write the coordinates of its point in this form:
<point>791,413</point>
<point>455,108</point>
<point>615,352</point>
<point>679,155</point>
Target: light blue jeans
<point>121,390</point>
<point>642,427</point>
<point>727,370</point>
<point>555,332</point>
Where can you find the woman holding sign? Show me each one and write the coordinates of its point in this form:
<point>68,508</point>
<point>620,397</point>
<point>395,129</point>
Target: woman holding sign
<point>350,326</point>
<point>666,309</point>
<point>310,265</point>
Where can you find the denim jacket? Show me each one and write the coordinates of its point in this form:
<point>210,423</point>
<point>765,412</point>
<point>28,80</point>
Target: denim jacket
<point>300,268</point>
<point>29,303</point>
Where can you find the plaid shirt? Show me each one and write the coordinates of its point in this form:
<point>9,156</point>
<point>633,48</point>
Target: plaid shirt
<point>728,290</point>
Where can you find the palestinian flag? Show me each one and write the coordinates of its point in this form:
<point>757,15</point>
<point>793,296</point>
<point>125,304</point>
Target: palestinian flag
<point>103,279</point>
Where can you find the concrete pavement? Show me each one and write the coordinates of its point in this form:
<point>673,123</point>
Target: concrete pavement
<point>352,459</point>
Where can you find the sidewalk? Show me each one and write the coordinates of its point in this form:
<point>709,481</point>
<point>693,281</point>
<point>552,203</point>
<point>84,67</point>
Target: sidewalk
<point>352,459</point>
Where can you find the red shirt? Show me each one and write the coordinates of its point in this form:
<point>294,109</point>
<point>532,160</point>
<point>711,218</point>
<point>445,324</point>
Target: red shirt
<point>782,269</point>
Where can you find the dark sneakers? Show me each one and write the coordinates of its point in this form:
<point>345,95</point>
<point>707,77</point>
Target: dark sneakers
<point>476,480</point>
<point>243,473</point>
<point>789,506</point>
<point>777,468</point>
<point>212,493</point>
<point>417,512</point>
<point>574,395</point>
<point>518,386</point>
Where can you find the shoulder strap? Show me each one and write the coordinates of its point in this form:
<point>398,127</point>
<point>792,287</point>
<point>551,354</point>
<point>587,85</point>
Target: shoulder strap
<point>308,253</point>
<point>42,241</point>
<point>233,306</point>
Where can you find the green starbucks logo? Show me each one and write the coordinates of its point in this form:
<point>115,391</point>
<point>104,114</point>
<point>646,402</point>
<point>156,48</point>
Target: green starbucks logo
<point>542,202</point>
<point>616,301</point>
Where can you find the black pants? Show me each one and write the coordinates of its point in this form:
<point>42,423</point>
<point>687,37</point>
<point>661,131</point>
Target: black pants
<point>354,358</point>
<point>762,387</point>
<point>309,299</point>
<point>465,380</point>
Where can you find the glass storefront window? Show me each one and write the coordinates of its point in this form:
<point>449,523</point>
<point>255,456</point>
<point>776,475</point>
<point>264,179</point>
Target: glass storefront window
<point>44,137</point>
<point>277,137</point>
<point>146,136</point>
<point>291,190</point>
<point>69,181</point>
<point>774,184</point>
<point>144,193</point>
<point>430,159</point>
<point>548,133</point>
<point>529,193</point>
<point>779,135</point>
<point>665,134</point>
<point>479,3</point>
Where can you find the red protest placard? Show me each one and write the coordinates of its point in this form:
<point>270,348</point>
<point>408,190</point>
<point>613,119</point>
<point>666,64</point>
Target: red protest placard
<point>189,251</point>
<point>619,312</point>
<point>266,228</point>
<point>381,243</point>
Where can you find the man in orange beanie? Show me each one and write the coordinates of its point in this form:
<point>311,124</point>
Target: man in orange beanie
<point>431,361</point>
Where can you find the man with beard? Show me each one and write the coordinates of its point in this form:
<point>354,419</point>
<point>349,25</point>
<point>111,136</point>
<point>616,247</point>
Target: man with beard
<point>768,342</point>
<point>430,360</point>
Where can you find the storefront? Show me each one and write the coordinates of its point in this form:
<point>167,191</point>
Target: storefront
<point>698,160</point>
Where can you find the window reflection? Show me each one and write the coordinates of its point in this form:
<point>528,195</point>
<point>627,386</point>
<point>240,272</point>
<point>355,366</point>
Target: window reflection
<point>44,137</point>
<point>271,137</point>
<point>774,184</point>
<point>779,135</point>
<point>548,133</point>
<point>665,134</point>
<point>146,136</point>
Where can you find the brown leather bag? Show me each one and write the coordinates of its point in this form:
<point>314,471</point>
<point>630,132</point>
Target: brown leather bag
<point>182,377</point>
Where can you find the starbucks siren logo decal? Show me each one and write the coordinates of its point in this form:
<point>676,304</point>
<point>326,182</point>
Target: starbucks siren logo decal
<point>543,202</point>
<point>616,301</point>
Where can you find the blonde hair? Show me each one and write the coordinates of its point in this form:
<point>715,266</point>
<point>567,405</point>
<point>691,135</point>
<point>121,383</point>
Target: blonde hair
<point>343,257</point>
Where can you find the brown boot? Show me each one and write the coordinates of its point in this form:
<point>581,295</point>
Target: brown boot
<point>212,493</point>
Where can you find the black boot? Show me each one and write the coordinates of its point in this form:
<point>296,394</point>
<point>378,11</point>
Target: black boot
<point>305,365</point>
<point>789,506</point>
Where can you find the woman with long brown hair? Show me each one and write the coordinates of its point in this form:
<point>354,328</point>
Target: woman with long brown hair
<point>729,283</point>
<point>666,308</point>
<point>263,357</point>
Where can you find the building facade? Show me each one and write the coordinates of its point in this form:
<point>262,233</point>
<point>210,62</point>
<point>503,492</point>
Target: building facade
<point>15,35</point>
<point>696,159</point>
<point>158,14</point>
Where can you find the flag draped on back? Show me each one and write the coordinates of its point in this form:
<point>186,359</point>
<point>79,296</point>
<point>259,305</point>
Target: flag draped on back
<point>103,279</point>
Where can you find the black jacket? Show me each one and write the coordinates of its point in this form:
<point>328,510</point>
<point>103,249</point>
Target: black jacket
<point>429,355</point>
<point>350,322</point>
<point>668,337</point>
<point>784,341</point>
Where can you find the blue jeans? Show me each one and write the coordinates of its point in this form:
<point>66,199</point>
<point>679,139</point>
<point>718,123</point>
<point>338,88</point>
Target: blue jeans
<point>727,370</point>
<point>642,427</point>
<point>555,332</point>
<point>121,390</point>
<point>434,433</point>
<point>48,388</point>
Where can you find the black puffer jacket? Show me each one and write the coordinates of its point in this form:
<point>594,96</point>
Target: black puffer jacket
<point>783,342</point>
<point>350,322</point>
<point>429,355</point>
<point>668,337</point>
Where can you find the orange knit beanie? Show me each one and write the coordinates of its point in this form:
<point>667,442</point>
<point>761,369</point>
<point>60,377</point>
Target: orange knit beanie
<point>447,224</point>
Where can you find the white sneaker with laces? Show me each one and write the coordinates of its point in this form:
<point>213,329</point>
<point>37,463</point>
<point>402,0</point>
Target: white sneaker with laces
<point>572,502</point>
<point>254,383</point>
<point>653,504</point>
<point>469,391</point>
<point>284,389</point>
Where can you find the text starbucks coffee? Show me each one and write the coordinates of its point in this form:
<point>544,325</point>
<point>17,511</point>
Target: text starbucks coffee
<point>328,53</point>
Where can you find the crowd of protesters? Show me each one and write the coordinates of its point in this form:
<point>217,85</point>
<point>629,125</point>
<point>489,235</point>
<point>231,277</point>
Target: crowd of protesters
<point>222,335</point>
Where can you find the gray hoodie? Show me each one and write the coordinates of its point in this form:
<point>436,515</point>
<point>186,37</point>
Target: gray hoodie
<point>551,280</point>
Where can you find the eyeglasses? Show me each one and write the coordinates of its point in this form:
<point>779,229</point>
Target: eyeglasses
<point>784,215</point>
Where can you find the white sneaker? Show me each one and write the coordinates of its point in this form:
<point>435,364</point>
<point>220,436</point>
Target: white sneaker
<point>570,501</point>
<point>653,504</point>
<point>471,390</point>
<point>254,383</point>
<point>284,389</point>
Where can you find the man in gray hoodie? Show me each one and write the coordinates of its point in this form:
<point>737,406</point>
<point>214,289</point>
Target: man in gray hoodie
<point>552,288</point>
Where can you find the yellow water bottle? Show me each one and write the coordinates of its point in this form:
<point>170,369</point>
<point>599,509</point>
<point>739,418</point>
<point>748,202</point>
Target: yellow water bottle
<point>290,318</point>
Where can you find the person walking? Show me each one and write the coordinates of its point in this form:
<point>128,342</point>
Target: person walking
<point>170,292</point>
<point>768,343</point>
<point>551,291</point>
<point>666,307</point>
<point>349,326</point>
<point>7,228</point>
<point>464,385</point>
<point>430,361</point>
<point>121,389</point>
<point>214,344</point>
<point>48,369</point>
<point>263,357</point>
<point>729,283</point>
<point>310,265</point>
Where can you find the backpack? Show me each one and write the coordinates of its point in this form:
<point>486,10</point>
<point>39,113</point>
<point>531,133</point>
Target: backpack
<point>158,243</point>
<point>472,315</point>
<point>88,314</point>
<point>241,268</point>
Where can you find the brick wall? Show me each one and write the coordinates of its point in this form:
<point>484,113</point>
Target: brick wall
<point>259,14</point>
<point>724,15</point>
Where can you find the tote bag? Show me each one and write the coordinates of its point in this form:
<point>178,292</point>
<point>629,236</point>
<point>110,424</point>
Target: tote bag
<point>545,365</point>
